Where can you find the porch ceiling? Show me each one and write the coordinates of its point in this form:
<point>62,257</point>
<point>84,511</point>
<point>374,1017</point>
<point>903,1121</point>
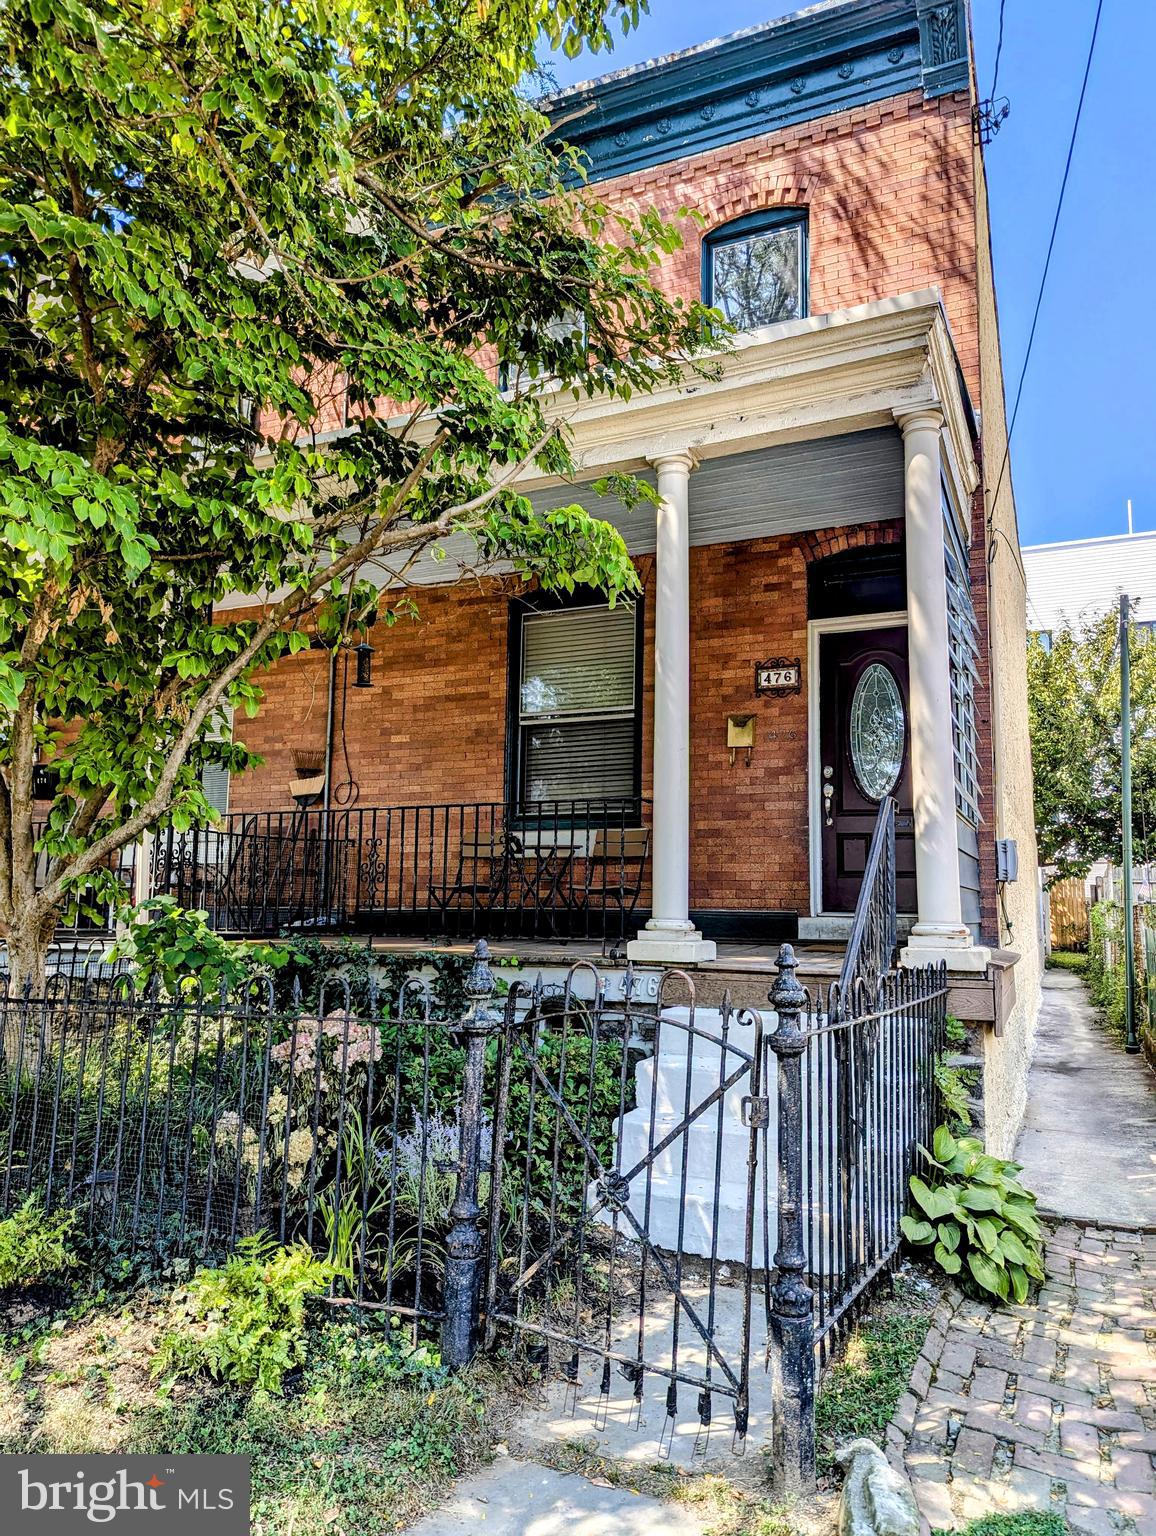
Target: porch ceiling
<point>787,488</point>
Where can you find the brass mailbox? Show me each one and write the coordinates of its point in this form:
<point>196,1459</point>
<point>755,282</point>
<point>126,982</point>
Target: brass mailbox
<point>740,735</point>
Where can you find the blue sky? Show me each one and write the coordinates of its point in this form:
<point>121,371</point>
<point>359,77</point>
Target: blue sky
<point>1086,438</point>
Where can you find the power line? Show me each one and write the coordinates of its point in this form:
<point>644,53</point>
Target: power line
<point>1047,265</point>
<point>998,51</point>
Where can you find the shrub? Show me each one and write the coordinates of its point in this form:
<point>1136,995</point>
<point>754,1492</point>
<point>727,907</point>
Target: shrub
<point>1072,960</point>
<point>981,1222</point>
<point>244,1322</point>
<point>374,1352</point>
<point>37,1245</point>
<point>179,950</point>
<point>1105,974</point>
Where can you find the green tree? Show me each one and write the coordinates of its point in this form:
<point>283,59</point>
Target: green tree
<point>1074,707</point>
<point>216,219</point>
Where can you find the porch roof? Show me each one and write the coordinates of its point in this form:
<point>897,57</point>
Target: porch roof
<point>829,375</point>
<point>794,430</point>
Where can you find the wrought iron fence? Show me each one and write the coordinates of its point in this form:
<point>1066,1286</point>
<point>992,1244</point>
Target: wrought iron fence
<point>86,914</point>
<point>550,869</point>
<point>868,1100</point>
<point>614,1219</point>
<point>187,1123</point>
<point>662,1195</point>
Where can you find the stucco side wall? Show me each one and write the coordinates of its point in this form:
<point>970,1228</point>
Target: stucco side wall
<point>1011,812</point>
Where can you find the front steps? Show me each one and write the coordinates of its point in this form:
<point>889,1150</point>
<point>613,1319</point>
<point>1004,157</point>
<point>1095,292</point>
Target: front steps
<point>690,1193</point>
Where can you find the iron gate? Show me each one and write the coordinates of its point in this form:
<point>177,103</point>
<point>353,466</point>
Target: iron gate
<point>618,1239</point>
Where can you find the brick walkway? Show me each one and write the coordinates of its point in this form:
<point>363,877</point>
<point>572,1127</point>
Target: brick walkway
<point>1051,1406</point>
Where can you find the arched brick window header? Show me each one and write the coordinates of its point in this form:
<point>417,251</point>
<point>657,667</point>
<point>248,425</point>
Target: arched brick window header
<point>760,193</point>
<point>817,545</point>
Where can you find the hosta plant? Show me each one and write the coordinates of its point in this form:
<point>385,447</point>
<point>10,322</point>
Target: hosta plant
<point>979,1221</point>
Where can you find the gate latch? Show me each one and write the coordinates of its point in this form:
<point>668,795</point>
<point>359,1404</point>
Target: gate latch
<point>756,1112</point>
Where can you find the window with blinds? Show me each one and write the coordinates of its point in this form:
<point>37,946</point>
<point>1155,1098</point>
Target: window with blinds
<point>214,778</point>
<point>576,704</point>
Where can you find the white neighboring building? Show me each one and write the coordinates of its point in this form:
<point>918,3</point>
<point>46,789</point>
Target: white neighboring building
<point>1076,581</point>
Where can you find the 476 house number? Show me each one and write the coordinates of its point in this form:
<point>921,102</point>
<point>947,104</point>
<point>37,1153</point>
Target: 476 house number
<point>780,675</point>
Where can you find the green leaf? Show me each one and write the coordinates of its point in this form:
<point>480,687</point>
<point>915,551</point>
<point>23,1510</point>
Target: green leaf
<point>916,1231</point>
<point>949,1235</point>
<point>1013,1249</point>
<point>948,1261</point>
<point>986,1272</point>
<point>944,1144</point>
<point>979,1199</point>
<point>1019,1283</point>
<point>934,1202</point>
<point>988,1233</point>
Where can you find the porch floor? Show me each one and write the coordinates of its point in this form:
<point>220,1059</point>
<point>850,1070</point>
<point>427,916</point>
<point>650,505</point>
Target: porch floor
<point>747,971</point>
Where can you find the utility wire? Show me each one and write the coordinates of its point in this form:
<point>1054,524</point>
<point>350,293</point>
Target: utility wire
<point>998,51</point>
<point>1043,281</point>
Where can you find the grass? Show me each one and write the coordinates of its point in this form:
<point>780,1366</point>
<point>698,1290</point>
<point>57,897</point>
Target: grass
<point>1072,960</point>
<point>861,1389</point>
<point>1029,1523</point>
<point>332,1459</point>
<point>362,1445</point>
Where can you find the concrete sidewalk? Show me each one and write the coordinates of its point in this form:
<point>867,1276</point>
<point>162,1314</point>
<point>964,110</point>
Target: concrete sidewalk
<point>1088,1143</point>
<point>517,1498</point>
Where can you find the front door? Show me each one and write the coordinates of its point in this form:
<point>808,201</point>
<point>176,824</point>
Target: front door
<point>864,744</point>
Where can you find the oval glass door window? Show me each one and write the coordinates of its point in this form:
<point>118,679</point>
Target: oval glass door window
<point>877,731</point>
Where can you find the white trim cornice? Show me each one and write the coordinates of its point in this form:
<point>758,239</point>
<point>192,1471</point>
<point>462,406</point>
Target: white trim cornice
<point>830,374</point>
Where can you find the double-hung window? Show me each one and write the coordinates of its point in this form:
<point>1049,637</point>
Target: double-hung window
<point>215,778</point>
<point>577,704</point>
<point>755,268</point>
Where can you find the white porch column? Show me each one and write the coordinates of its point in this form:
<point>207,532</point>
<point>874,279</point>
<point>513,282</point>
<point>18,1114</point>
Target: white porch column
<point>939,933</point>
<point>670,936</point>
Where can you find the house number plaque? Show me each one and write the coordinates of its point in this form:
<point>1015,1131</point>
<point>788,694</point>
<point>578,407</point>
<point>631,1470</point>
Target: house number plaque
<point>779,676</point>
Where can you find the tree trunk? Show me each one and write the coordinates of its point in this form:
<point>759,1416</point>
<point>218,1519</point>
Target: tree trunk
<point>28,944</point>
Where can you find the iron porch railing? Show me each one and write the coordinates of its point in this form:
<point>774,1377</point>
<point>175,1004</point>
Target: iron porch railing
<point>870,953</point>
<point>561,869</point>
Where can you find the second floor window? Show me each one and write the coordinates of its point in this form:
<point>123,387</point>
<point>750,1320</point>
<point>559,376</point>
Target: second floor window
<point>755,268</point>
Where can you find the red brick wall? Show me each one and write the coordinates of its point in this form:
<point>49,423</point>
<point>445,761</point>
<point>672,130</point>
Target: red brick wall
<point>431,729</point>
<point>433,726</point>
<point>890,194</point>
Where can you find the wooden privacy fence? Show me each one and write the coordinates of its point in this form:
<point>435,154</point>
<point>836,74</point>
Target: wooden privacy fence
<point>1068,907</point>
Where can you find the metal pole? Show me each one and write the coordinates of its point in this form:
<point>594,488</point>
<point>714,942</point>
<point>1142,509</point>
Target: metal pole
<point>792,1321</point>
<point>464,1248</point>
<point>1133,1044</point>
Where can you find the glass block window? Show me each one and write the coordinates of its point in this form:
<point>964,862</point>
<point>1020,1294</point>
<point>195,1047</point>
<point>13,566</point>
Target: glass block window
<point>577,704</point>
<point>754,269</point>
<point>963,652</point>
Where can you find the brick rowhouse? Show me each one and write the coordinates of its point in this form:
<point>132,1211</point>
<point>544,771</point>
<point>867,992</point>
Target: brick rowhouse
<point>889,191</point>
